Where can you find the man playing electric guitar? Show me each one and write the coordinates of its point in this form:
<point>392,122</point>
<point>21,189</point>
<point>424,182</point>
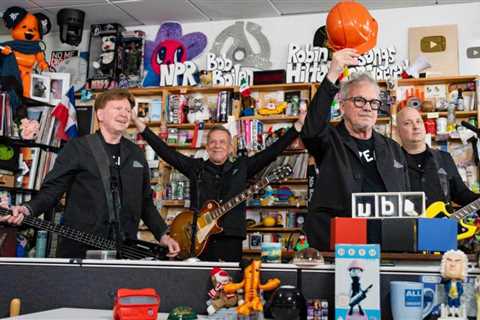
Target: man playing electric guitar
<point>220,179</point>
<point>430,170</point>
<point>85,170</point>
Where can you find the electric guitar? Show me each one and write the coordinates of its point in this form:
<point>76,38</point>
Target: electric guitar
<point>207,221</point>
<point>131,249</point>
<point>438,210</point>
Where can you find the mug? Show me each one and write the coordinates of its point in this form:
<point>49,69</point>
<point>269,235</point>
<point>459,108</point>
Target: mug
<point>407,300</point>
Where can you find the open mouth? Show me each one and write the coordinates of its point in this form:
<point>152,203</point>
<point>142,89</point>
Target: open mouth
<point>28,36</point>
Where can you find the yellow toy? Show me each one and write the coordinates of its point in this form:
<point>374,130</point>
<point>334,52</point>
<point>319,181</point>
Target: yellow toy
<point>273,107</point>
<point>251,287</point>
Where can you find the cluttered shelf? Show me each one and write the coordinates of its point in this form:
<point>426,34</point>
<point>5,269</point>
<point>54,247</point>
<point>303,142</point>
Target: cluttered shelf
<point>436,80</point>
<point>18,190</point>
<point>458,114</point>
<point>207,125</point>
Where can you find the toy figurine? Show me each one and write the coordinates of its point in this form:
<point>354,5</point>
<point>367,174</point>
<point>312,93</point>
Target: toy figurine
<point>251,287</point>
<point>302,243</point>
<point>27,32</point>
<point>105,62</point>
<point>454,270</point>
<point>218,298</point>
<point>357,295</point>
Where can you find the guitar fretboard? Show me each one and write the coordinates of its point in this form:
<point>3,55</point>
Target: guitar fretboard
<point>67,232</point>
<point>469,208</point>
<point>235,201</point>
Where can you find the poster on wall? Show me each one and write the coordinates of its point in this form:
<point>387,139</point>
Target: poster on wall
<point>439,44</point>
<point>233,44</point>
<point>167,58</point>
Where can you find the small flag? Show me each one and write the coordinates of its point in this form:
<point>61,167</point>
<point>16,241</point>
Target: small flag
<point>244,88</point>
<point>66,115</point>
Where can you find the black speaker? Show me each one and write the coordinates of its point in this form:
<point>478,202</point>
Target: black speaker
<point>374,231</point>
<point>399,235</point>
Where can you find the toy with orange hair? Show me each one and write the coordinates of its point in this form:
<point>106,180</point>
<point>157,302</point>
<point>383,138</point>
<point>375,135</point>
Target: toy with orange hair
<point>251,288</point>
<point>27,31</point>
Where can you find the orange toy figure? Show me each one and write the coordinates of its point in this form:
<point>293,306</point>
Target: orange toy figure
<point>27,31</point>
<point>251,288</point>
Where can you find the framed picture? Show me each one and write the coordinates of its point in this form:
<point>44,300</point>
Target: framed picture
<point>59,85</point>
<point>40,88</point>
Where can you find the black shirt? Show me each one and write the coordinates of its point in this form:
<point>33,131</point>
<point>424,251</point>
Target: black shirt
<point>416,165</point>
<point>371,182</point>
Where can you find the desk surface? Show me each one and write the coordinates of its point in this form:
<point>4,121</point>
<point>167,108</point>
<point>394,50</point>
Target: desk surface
<point>76,314</point>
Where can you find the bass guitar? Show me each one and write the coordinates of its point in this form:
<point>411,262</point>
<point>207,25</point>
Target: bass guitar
<point>207,220</point>
<point>439,210</point>
<point>131,249</point>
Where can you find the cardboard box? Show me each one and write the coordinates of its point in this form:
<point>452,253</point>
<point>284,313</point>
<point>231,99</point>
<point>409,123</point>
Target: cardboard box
<point>357,281</point>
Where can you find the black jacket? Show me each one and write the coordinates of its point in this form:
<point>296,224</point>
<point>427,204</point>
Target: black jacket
<point>220,183</point>
<point>439,179</point>
<point>332,146</point>
<point>76,173</point>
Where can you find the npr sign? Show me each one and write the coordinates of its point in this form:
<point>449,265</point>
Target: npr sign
<point>388,205</point>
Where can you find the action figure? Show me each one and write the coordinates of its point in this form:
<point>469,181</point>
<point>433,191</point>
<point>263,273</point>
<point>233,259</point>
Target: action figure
<point>357,295</point>
<point>454,270</point>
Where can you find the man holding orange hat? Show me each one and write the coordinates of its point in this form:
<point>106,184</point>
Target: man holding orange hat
<point>350,157</point>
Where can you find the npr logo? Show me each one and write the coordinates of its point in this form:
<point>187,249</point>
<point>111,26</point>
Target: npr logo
<point>388,205</point>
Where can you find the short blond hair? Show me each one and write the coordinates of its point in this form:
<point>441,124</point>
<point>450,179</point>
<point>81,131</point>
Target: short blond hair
<point>113,95</point>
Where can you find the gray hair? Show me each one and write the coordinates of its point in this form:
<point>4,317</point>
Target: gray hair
<point>354,80</point>
<point>455,253</point>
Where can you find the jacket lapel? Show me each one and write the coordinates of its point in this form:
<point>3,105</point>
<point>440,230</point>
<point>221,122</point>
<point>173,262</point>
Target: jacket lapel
<point>348,140</point>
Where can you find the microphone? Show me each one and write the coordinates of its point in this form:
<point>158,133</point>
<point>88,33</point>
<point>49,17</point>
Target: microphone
<point>471,127</point>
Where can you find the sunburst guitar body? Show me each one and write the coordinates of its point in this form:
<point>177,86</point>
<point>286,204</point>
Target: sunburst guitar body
<point>439,210</point>
<point>209,215</point>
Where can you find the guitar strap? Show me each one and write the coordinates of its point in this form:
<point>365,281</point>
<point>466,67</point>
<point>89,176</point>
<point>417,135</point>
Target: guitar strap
<point>442,175</point>
<point>103,163</point>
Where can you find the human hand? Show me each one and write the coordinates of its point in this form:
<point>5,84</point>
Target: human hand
<point>173,247</point>
<point>341,59</point>
<point>17,215</point>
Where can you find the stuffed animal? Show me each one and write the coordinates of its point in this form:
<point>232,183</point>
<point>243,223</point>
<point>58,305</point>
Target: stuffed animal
<point>197,110</point>
<point>251,287</point>
<point>27,31</point>
<point>218,298</point>
<point>105,63</point>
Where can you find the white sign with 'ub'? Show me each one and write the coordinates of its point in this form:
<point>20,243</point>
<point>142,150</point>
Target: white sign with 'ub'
<point>388,205</point>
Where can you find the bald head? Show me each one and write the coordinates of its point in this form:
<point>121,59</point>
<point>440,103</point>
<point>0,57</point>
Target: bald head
<point>411,129</point>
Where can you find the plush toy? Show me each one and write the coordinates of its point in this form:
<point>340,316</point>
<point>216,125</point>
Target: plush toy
<point>218,298</point>
<point>251,287</point>
<point>27,32</point>
<point>273,107</point>
<point>107,58</point>
<point>197,110</point>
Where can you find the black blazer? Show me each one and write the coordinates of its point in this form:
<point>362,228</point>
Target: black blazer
<point>220,183</point>
<point>76,173</point>
<point>337,178</point>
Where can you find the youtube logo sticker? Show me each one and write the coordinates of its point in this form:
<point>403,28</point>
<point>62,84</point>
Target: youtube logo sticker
<point>473,52</point>
<point>433,44</point>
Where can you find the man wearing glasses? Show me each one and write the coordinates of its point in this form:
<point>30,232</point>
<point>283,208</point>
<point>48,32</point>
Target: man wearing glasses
<point>351,156</point>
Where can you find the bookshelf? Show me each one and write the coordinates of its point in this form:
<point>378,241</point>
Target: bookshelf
<point>306,91</point>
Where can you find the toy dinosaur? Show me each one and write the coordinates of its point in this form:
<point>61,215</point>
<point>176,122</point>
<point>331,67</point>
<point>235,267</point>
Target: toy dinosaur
<point>251,287</point>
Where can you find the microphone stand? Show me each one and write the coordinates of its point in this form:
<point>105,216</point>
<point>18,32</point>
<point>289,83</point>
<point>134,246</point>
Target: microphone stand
<point>115,220</point>
<point>196,213</point>
<point>473,140</point>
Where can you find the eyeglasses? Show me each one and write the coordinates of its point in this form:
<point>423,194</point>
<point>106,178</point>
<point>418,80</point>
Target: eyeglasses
<point>360,102</point>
